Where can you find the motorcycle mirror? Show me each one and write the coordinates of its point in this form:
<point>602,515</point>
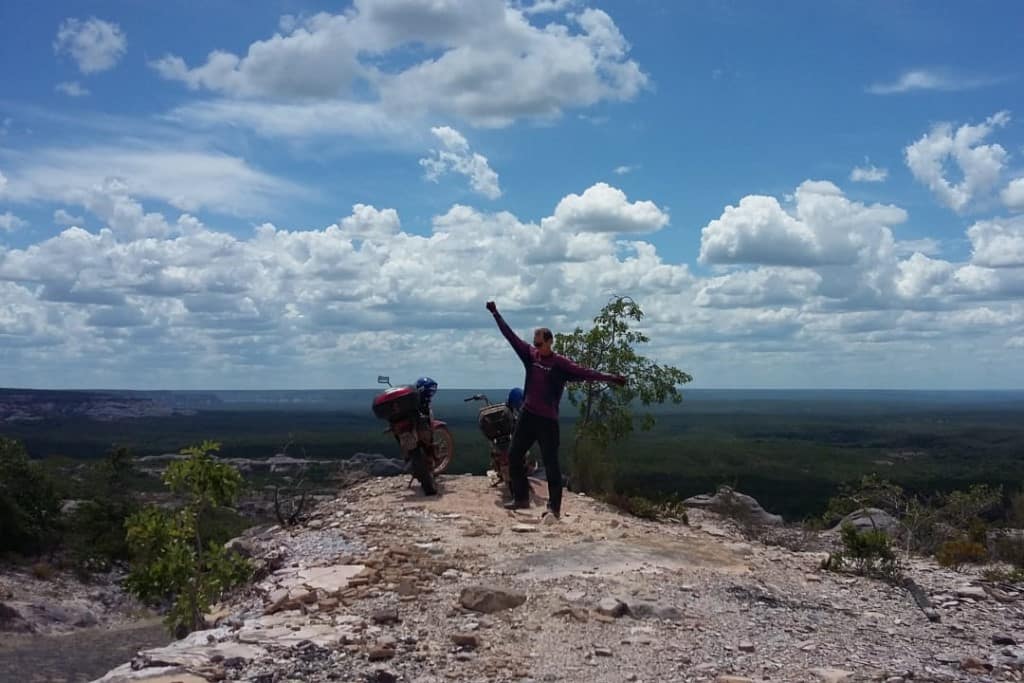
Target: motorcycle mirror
<point>384,379</point>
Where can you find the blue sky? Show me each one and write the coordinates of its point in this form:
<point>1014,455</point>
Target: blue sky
<point>281,194</point>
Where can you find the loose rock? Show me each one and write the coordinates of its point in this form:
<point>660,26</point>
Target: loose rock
<point>386,616</point>
<point>466,640</point>
<point>832,675</point>
<point>610,607</point>
<point>489,599</point>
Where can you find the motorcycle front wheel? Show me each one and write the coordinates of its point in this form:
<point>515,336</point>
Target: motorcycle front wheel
<point>422,472</point>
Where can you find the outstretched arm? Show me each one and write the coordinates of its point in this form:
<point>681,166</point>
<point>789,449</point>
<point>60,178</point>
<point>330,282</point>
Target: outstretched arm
<point>578,373</point>
<point>521,348</point>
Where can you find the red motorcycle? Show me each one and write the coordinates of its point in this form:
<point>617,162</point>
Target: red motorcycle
<point>427,445</point>
<point>497,422</point>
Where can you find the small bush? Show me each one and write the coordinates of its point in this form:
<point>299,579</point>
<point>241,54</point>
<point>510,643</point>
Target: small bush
<point>43,571</point>
<point>1015,515</point>
<point>1000,575</point>
<point>868,553</point>
<point>955,554</point>
<point>645,508</point>
<point>977,532</point>
<point>1010,549</point>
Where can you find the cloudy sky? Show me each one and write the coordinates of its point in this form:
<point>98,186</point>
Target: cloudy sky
<point>302,194</point>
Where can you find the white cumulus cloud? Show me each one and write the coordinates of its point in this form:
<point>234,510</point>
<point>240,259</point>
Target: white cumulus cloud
<point>1013,195</point>
<point>869,173</point>
<point>94,44</point>
<point>763,286</point>
<point>980,165</point>
<point>825,228</point>
<point>9,222</point>
<point>316,58</point>
<point>998,243</point>
<point>921,276</point>
<point>172,302</point>
<point>546,6</point>
<point>368,222</point>
<point>605,209</point>
<point>489,65</point>
<point>62,217</point>
<point>455,156</point>
<point>72,89</point>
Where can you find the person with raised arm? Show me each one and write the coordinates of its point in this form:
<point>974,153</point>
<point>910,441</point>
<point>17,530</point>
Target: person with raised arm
<point>546,375</point>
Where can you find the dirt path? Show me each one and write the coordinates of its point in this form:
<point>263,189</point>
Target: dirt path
<point>80,656</point>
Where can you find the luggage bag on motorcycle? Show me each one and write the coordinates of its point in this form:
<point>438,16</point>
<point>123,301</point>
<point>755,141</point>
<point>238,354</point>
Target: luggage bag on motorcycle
<point>400,403</point>
<point>496,421</point>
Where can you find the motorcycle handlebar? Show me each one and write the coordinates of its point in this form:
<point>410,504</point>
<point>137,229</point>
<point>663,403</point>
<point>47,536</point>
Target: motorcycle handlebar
<point>477,397</point>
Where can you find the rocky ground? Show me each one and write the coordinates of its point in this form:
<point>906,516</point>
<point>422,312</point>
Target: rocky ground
<point>49,602</point>
<point>56,628</point>
<point>382,584</point>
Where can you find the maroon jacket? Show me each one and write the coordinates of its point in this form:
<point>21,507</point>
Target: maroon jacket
<point>546,375</point>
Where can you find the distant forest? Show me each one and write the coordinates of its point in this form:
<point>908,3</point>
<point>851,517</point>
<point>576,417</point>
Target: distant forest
<point>790,449</point>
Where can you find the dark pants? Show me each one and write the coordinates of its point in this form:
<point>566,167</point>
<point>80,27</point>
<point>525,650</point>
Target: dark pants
<point>544,431</point>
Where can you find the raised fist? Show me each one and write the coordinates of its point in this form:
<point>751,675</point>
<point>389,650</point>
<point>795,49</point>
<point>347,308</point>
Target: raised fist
<point>492,307</point>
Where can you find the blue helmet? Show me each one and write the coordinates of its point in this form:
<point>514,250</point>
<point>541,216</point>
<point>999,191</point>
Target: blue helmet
<point>515,399</point>
<point>426,386</point>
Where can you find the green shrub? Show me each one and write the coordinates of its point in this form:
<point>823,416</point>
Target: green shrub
<point>955,554</point>
<point>928,520</point>
<point>1010,549</point>
<point>1015,515</point>
<point>29,504</point>
<point>172,559</point>
<point>95,530</point>
<point>43,571</point>
<point>645,508</point>
<point>977,532</point>
<point>868,553</point>
<point>1000,575</point>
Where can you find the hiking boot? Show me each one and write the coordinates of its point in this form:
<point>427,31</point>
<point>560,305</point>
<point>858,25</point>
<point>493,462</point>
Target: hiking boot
<point>550,515</point>
<point>549,518</point>
<point>517,505</point>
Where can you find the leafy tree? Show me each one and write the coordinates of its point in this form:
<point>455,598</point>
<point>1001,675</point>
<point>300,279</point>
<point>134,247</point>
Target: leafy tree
<point>97,526</point>
<point>607,414</point>
<point>29,504</point>
<point>172,558</point>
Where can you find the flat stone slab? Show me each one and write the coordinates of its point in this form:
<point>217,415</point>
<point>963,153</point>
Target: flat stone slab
<point>163,674</point>
<point>329,579</point>
<point>615,557</point>
<point>273,630</point>
<point>198,656</point>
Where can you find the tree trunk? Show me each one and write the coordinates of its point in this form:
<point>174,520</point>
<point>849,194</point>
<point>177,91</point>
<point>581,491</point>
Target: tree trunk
<point>197,577</point>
